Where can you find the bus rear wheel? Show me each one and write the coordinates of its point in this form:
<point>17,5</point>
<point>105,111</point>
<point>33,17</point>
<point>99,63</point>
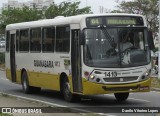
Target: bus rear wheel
<point>68,96</point>
<point>25,85</point>
<point>121,96</point>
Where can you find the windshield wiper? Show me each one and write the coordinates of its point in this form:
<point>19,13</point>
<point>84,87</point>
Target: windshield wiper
<point>126,33</point>
<point>107,35</point>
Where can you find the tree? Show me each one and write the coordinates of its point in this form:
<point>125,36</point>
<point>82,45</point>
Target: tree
<point>16,15</point>
<point>52,11</point>
<point>148,8</point>
<point>66,9</point>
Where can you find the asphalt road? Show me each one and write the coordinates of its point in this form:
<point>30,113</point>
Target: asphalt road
<point>97,103</point>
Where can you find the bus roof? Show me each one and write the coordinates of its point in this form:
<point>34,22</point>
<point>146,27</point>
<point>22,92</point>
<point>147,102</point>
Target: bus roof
<point>60,20</point>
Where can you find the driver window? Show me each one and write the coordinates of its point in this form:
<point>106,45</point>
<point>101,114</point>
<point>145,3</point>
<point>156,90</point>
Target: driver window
<point>126,40</point>
<point>139,42</point>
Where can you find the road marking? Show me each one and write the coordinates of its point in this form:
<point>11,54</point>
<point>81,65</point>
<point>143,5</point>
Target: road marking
<point>156,92</point>
<point>139,100</point>
<point>104,114</point>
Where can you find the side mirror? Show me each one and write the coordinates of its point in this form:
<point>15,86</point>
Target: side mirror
<point>81,38</point>
<point>150,41</point>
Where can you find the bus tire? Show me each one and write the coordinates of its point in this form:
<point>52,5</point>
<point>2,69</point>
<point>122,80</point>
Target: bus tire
<point>25,85</point>
<point>121,96</point>
<point>68,96</point>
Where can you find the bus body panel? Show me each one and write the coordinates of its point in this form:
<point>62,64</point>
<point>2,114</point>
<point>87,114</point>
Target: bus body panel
<point>41,76</point>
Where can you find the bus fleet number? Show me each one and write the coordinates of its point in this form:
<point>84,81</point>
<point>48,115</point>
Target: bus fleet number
<point>110,74</point>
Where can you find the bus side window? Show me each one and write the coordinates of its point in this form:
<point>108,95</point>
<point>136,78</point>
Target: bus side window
<point>24,40</point>
<point>62,39</point>
<point>35,42</point>
<point>48,39</point>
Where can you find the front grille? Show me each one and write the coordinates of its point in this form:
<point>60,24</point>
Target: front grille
<point>121,79</point>
<point>121,88</point>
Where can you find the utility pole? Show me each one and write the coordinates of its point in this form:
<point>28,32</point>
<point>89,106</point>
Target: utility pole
<point>102,9</point>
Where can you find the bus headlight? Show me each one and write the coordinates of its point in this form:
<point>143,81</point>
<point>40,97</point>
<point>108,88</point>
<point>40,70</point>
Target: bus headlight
<point>92,76</point>
<point>146,75</point>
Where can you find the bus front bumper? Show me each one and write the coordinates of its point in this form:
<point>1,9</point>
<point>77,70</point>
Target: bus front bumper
<point>90,88</point>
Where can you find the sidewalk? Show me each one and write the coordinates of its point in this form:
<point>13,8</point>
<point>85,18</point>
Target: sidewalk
<point>7,101</point>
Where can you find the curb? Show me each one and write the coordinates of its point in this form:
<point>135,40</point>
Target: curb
<point>46,104</point>
<point>155,89</point>
<point>31,100</point>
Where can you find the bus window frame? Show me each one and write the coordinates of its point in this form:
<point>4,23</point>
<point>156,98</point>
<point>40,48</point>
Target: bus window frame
<point>17,49</point>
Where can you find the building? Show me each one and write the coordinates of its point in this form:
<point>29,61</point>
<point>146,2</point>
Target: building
<point>39,4</point>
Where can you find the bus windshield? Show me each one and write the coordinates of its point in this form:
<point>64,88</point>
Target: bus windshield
<point>116,47</point>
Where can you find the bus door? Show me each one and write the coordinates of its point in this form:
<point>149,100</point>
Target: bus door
<point>76,61</point>
<point>12,55</point>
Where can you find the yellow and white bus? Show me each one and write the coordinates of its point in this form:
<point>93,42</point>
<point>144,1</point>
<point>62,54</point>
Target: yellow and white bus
<point>81,55</point>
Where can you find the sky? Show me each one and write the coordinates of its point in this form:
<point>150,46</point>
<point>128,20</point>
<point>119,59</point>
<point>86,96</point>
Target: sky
<point>95,4</point>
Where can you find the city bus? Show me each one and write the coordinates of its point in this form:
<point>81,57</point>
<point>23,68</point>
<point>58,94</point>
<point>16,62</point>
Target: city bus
<point>80,55</point>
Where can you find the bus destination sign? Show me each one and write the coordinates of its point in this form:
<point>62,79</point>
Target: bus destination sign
<point>114,21</point>
<point>121,21</point>
<point>95,21</point>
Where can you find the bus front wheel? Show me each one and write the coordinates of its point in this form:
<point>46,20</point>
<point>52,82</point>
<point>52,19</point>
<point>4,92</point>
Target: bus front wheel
<point>121,96</point>
<point>68,96</point>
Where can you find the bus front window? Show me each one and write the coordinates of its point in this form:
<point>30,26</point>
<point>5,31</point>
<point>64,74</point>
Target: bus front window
<point>116,47</point>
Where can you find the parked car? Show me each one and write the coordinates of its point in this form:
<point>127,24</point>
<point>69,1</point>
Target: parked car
<point>155,69</point>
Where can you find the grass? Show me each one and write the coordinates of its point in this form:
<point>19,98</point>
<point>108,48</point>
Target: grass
<point>5,114</point>
<point>155,83</point>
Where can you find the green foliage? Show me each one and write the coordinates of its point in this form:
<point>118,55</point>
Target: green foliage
<point>16,15</point>
<point>6,114</point>
<point>66,9</point>
<point>155,83</point>
<point>20,15</point>
<point>155,50</point>
<point>148,8</point>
